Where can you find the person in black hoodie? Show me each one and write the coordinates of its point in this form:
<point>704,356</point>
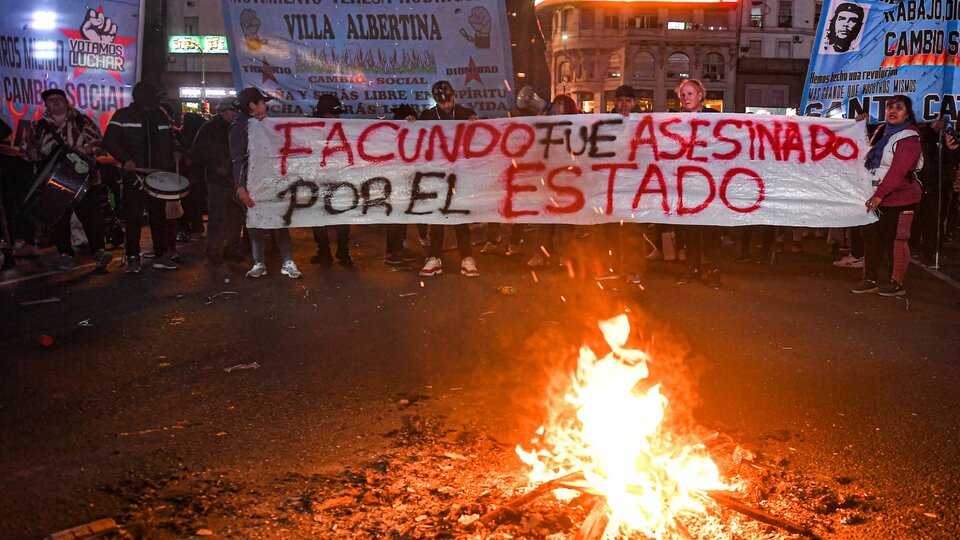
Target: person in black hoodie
<point>329,106</point>
<point>447,109</point>
<point>211,150</point>
<point>140,137</point>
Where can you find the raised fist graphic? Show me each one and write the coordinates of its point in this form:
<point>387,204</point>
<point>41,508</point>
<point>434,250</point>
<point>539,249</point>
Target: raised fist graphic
<point>98,27</point>
<point>480,21</point>
<point>250,24</point>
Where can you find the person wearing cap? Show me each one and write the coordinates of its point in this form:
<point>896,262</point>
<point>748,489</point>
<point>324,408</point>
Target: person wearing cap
<point>625,100</point>
<point>252,105</point>
<point>328,106</point>
<point>447,109</point>
<point>612,261</point>
<point>61,124</point>
<point>211,150</point>
<point>140,137</point>
<point>702,241</point>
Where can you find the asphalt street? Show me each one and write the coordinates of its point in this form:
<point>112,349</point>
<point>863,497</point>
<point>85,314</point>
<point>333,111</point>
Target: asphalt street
<point>782,358</point>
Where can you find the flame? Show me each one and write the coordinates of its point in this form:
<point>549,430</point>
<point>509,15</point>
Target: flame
<point>609,426</point>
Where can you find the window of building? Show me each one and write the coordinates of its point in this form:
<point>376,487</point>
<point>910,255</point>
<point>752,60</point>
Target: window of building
<point>611,21</point>
<point>191,25</point>
<point>590,66</point>
<point>783,49</point>
<point>785,16</point>
<point>565,19</point>
<point>643,66</point>
<point>644,100</point>
<point>614,66</point>
<point>585,101</point>
<point>715,19</point>
<point>678,66</point>
<point>817,9</point>
<point>767,95</point>
<point>588,18</point>
<point>714,67</point>
<point>714,100</point>
<point>565,72</point>
<point>679,19</point>
<point>645,19</point>
<point>756,16</point>
<point>756,48</point>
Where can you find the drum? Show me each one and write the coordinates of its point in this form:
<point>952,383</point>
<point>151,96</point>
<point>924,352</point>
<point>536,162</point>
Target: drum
<point>61,184</point>
<point>166,186</point>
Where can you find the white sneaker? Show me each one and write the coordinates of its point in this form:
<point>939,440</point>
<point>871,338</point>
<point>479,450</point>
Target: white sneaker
<point>468,267</point>
<point>290,269</point>
<point>849,261</point>
<point>488,248</point>
<point>259,270</point>
<point>433,267</point>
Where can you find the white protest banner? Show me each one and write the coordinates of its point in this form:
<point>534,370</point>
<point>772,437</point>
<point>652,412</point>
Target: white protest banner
<point>373,54</point>
<point>91,51</point>
<point>718,169</point>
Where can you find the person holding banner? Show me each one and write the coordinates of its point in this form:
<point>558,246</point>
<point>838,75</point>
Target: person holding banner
<point>894,158</point>
<point>702,241</point>
<point>447,109</point>
<point>253,106</point>
<point>60,125</point>
<point>329,106</point>
<point>140,136</point>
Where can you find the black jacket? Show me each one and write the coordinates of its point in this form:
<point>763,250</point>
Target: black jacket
<point>459,113</point>
<point>211,149</point>
<point>145,137</point>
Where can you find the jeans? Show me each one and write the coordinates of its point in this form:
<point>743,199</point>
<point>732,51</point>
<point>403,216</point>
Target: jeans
<point>258,243</point>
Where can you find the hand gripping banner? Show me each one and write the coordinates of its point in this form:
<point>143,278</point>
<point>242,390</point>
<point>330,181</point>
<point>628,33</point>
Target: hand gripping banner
<point>717,169</point>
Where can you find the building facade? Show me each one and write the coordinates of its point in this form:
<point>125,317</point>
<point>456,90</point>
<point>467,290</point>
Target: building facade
<point>750,55</point>
<point>595,46</point>
<point>776,42</point>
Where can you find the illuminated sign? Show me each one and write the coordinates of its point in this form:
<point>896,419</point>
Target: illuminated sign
<point>194,92</point>
<point>198,44</point>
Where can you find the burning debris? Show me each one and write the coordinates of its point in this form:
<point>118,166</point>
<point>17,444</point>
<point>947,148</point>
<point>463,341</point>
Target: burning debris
<point>621,465</point>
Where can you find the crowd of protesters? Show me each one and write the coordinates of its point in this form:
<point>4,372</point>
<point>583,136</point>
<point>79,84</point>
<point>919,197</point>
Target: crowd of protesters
<point>913,168</point>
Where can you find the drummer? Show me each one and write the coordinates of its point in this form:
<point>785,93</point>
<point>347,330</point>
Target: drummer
<point>140,137</point>
<point>62,124</point>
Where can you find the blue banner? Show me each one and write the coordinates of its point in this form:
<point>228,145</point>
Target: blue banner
<point>868,51</point>
<point>373,54</point>
<point>92,53</point>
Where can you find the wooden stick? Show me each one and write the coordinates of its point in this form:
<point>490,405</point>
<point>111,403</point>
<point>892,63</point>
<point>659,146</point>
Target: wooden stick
<point>543,488</point>
<point>596,523</point>
<point>733,502</point>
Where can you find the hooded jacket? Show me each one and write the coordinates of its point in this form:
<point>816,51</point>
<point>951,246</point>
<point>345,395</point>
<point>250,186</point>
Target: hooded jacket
<point>146,137</point>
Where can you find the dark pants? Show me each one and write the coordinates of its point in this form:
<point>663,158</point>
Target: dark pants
<point>767,234</point>
<point>226,216</point>
<point>887,238</point>
<point>703,247</point>
<point>17,178</point>
<point>91,218</point>
<point>194,205</point>
<point>462,231</point>
<point>926,236</point>
<point>494,235</point>
<point>135,201</point>
<point>396,233</point>
<point>321,235</point>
